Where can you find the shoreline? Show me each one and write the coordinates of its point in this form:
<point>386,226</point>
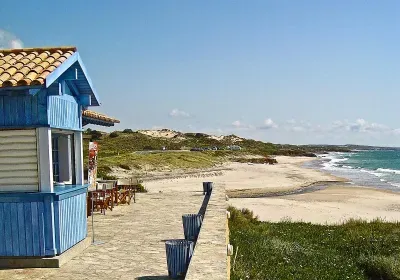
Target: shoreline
<point>288,190</point>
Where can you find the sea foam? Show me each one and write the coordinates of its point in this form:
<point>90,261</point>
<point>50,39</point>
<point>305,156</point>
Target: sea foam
<point>388,170</point>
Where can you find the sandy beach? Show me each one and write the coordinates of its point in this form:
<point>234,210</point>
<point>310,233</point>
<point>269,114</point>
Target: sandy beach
<point>247,186</point>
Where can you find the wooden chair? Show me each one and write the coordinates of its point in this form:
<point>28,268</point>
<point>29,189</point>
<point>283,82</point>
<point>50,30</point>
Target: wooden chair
<point>109,187</point>
<point>126,191</point>
<point>99,200</point>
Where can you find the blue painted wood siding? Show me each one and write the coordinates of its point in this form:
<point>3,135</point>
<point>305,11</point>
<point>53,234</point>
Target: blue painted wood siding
<point>23,110</point>
<point>70,221</point>
<point>22,229</point>
<point>38,224</point>
<point>63,112</point>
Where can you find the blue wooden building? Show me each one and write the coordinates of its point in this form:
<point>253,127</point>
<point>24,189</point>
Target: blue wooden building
<point>44,97</point>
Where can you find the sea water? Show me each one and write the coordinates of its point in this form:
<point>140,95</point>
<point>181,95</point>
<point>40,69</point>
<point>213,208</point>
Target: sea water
<point>374,168</point>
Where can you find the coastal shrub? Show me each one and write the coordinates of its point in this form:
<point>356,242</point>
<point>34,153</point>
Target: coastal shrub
<point>381,267</point>
<point>128,130</point>
<point>220,153</point>
<point>109,177</point>
<point>125,166</point>
<point>141,188</point>
<point>148,148</point>
<point>298,250</point>
<point>95,134</point>
<point>114,134</point>
<point>103,172</point>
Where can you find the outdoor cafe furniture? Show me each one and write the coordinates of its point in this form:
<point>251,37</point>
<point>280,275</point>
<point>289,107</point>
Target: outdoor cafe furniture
<point>127,190</point>
<point>111,191</point>
<point>104,196</point>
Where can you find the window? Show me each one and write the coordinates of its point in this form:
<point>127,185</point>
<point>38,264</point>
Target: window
<point>56,158</point>
<point>63,157</point>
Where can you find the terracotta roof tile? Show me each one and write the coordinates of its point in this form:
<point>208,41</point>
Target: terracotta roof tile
<point>30,66</point>
<point>98,116</point>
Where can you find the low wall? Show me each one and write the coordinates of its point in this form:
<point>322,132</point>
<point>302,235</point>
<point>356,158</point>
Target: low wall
<point>210,259</point>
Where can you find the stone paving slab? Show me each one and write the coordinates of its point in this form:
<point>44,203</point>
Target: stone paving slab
<point>134,238</point>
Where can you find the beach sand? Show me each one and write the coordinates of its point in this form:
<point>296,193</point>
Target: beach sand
<point>246,184</point>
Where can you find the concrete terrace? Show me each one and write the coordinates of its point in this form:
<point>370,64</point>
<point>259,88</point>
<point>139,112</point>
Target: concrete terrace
<point>134,238</point>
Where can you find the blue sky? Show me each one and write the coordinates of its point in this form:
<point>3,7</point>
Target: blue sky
<point>280,71</point>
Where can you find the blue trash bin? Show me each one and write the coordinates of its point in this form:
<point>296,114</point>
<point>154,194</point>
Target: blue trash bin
<point>191,226</point>
<point>179,252</point>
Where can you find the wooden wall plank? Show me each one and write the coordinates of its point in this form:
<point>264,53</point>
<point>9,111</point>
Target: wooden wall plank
<point>12,108</point>
<point>18,153</point>
<point>28,229</point>
<point>7,229</point>
<point>18,146</point>
<point>21,173</point>
<point>18,181</point>
<point>21,230</point>
<point>12,160</point>
<point>35,111</point>
<point>35,228</point>
<point>28,109</point>
<point>42,245</point>
<point>14,229</point>
<point>21,132</point>
<point>17,167</point>
<point>20,114</point>
<point>2,236</point>
<point>16,139</point>
<point>42,107</point>
<point>63,227</point>
<point>7,111</point>
<point>2,111</point>
<point>57,224</point>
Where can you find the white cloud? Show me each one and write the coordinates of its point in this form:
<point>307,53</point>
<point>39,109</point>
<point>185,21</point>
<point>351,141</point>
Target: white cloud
<point>176,113</point>
<point>9,41</point>
<point>16,44</point>
<point>241,125</point>
<point>268,124</point>
<point>157,127</point>
<point>237,124</point>
<point>297,126</point>
<point>360,125</point>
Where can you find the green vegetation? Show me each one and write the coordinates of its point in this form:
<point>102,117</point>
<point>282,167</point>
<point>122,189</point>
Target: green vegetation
<point>296,250</point>
<point>129,141</point>
<point>141,188</point>
<point>151,161</point>
<point>120,149</point>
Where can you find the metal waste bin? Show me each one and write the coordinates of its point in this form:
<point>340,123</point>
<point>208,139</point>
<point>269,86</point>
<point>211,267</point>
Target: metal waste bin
<point>207,187</point>
<point>179,252</point>
<point>191,226</point>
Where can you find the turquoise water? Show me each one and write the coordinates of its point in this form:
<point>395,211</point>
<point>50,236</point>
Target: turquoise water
<point>380,169</point>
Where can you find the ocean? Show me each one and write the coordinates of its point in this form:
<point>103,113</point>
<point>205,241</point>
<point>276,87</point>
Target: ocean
<point>375,168</point>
